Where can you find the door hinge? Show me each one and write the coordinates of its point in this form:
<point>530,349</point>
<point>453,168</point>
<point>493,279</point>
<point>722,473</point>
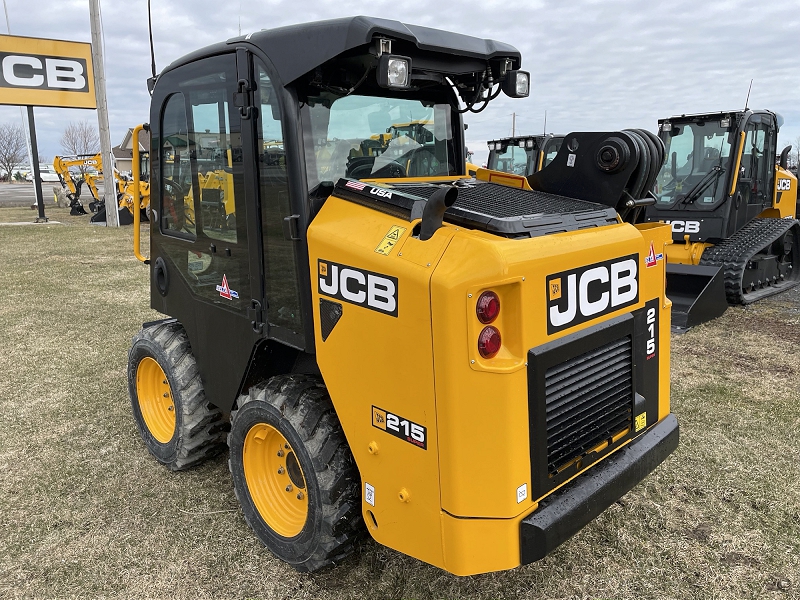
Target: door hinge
<point>243,99</point>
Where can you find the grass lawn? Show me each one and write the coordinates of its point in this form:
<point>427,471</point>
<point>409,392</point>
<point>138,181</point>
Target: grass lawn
<point>86,512</point>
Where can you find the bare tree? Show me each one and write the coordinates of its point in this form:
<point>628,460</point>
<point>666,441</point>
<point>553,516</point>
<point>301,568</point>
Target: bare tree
<point>794,155</point>
<point>80,138</point>
<point>12,147</point>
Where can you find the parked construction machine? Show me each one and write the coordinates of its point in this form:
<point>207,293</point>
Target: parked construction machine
<point>90,171</point>
<point>732,204</point>
<point>471,370</point>
<point>73,181</point>
<point>523,155</point>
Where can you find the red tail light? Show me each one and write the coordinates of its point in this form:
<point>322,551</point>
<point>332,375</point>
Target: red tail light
<point>489,342</point>
<point>488,307</point>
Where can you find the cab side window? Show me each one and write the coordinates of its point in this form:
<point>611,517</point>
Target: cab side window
<point>283,297</point>
<point>202,183</point>
<point>177,203</point>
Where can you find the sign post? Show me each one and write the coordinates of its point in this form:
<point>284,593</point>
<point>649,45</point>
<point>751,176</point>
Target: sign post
<point>37,180</point>
<point>44,72</point>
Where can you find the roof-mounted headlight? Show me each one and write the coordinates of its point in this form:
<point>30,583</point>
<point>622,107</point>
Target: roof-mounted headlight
<point>517,84</point>
<point>394,72</point>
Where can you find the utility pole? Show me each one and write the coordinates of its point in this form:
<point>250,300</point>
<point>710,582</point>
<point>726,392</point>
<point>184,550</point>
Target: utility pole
<point>109,193</point>
<point>513,124</point>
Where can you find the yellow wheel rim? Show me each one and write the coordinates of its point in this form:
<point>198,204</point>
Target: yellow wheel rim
<point>275,480</point>
<point>155,399</point>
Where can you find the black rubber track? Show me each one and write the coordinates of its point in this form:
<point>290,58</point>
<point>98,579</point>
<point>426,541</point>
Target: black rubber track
<point>300,408</point>
<point>734,253</point>
<point>200,427</point>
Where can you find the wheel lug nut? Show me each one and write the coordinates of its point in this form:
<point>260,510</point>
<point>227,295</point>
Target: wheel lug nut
<point>289,488</point>
<point>164,382</point>
<point>171,408</point>
<point>286,446</point>
<point>280,471</point>
<point>166,395</point>
<point>280,453</point>
<point>300,495</point>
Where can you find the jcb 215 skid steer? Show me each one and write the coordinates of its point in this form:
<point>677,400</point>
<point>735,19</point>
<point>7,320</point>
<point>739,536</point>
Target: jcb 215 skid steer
<point>468,370</point>
<point>731,203</point>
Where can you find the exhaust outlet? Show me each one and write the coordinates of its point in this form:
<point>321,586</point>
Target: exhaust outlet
<point>433,213</point>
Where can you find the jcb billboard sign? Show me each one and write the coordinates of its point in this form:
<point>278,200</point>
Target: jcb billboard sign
<point>40,72</point>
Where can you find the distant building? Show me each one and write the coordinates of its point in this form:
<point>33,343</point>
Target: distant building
<point>123,154</point>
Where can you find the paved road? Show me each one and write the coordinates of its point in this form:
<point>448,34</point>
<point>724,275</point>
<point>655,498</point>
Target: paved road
<point>22,194</point>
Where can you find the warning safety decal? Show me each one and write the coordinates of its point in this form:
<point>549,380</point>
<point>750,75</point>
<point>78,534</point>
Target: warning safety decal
<point>390,239</point>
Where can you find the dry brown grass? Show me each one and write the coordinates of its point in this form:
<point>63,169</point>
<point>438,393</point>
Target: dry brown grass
<point>85,512</point>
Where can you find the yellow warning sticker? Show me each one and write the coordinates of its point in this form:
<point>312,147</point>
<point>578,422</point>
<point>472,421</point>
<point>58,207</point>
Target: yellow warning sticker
<point>390,239</point>
<point>379,418</point>
<point>555,289</point>
<point>641,421</point>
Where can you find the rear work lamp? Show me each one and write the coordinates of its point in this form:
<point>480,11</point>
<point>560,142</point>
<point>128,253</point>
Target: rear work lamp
<point>517,84</point>
<point>394,72</point>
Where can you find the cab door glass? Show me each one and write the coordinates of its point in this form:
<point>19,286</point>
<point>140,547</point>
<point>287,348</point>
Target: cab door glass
<point>283,298</point>
<point>177,203</point>
<point>203,181</point>
<point>215,148</point>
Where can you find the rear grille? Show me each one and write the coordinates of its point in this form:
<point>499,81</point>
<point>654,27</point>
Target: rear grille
<point>589,399</point>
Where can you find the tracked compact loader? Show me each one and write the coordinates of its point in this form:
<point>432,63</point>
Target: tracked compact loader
<point>471,370</point>
<point>732,206</point>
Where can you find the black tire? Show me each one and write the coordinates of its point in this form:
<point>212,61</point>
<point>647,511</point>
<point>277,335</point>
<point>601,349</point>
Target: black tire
<point>199,427</point>
<point>299,408</point>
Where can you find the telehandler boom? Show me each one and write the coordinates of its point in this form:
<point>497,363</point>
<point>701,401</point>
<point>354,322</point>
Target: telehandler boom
<point>471,370</point>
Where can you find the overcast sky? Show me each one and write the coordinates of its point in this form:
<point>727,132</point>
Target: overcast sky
<point>595,64</point>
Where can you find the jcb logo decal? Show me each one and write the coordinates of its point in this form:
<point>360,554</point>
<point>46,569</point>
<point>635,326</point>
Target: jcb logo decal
<point>356,286</point>
<point>784,185</point>
<point>578,295</point>
<point>685,226</point>
<point>43,72</point>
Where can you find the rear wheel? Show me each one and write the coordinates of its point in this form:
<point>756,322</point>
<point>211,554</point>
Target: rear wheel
<point>178,425</point>
<point>293,472</point>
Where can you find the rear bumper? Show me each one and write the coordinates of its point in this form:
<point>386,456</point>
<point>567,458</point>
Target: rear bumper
<point>565,512</point>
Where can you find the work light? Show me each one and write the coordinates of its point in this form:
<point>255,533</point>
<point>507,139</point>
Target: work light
<point>394,72</point>
<point>517,84</point>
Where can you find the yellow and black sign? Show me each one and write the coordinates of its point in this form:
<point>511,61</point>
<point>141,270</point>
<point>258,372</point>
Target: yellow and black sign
<point>42,72</point>
<point>390,239</point>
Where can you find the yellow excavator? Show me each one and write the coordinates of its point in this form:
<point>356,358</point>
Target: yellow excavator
<point>72,182</point>
<point>90,172</point>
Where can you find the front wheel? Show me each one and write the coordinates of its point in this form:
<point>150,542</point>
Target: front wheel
<point>178,425</point>
<point>294,474</point>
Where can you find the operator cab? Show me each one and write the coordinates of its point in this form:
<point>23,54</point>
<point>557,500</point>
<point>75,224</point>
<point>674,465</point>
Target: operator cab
<point>711,177</point>
<point>248,139</point>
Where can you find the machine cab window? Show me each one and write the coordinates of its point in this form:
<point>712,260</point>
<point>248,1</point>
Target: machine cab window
<point>372,137</point>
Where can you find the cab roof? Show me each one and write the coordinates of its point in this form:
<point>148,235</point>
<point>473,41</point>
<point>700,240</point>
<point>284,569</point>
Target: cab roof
<point>297,49</point>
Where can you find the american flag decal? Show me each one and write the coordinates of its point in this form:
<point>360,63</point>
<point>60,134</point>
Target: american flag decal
<point>356,185</point>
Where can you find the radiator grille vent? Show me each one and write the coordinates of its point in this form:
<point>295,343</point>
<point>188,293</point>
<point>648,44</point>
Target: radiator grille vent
<point>589,399</point>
